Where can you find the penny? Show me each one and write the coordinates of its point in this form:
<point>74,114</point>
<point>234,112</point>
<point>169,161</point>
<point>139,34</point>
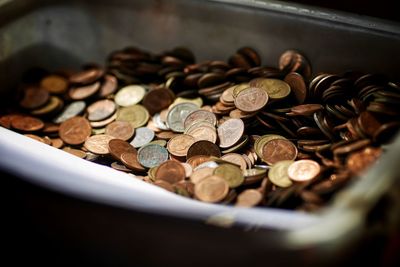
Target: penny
<point>130,160</point>
<point>306,109</point>
<point>211,189</point>
<point>143,136</point>
<point>76,152</point>
<point>73,109</point>
<point>117,147</point>
<point>165,185</point>
<point>232,174</point>
<point>200,174</point>
<point>202,130</point>
<point>109,86</point>
<point>136,115</point>
<point>179,145</point>
<point>86,76</point>
<point>101,109</point>
<point>34,98</point>
<point>303,170</point>
<point>75,130</point>
<point>54,84</point>
<point>158,99</point>
<point>251,99</point>
<point>297,86</point>
<point>278,173</point>
<point>26,123</point>
<point>35,137</point>
<point>230,132</point>
<point>55,103</point>
<point>152,155</point>
<point>120,129</point>
<point>129,95</point>
<point>170,171</point>
<point>83,92</point>
<point>235,159</point>
<point>249,198</point>
<point>57,142</point>
<point>203,148</point>
<point>227,95</point>
<point>358,162</point>
<point>276,89</point>
<point>277,150</point>
<point>177,115</point>
<point>119,167</point>
<point>98,144</point>
<point>199,115</point>
<point>98,124</point>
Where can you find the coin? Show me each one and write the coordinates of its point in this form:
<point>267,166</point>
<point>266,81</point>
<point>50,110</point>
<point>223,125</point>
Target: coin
<point>170,171</point>
<point>119,167</point>
<point>277,150</point>
<point>130,160</point>
<point>57,142</point>
<point>199,115</point>
<point>75,130</point>
<point>211,189</point>
<point>129,95</point>
<point>303,170</point>
<point>143,136</point>
<point>306,109</point>
<point>136,115</point>
<point>55,103</point>
<point>278,173</point>
<point>86,76</point>
<point>83,92</point>
<point>203,148</point>
<point>109,86</point>
<point>101,109</point>
<point>177,115</point>
<point>158,99</point>
<point>235,159</point>
<point>232,174</point>
<point>120,129</point>
<point>152,155</point>
<point>98,144</point>
<point>117,147</point>
<point>76,152</point>
<point>358,162</point>
<point>73,109</point>
<point>276,89</point>
<point>297,86</point>
<point>249,198</point>
<point>230,132</point>
<point>179,145</point>
<point>251,99</point>
<point>35,137</point>
<point>200,174</point>
<point>54,84</point>
<point>27,123</point>
<point>165,185</point>
<point>34,98</point>
<point>202,130</point>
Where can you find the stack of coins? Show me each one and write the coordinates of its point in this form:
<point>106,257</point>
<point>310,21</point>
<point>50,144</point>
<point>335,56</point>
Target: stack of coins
<point>233,132</point>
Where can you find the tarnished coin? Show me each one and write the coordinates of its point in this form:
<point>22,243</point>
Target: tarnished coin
<point>55,103</point>
<point>200,115</point>
<point>251,99</point>
<point>277,150</point>
<point>303,170</point>
<point>34,98</point>
<point>177,115</point>
<point>170,171</point>
<point>75,130</point>
<point>230,132</point>
<point>143,136</point>
<point>27,123</point>
<point>230,173</point>
<point>211,189</point>
<point>117,147</point>
<point>54,84</point>
<point>120,129</point>
<point>297,86</point>
<point>83,92</point>
<point>130,160</point>
<point>152,155</point>
<point>98,144</point>
<point>86,76</point>
<point>276,89</point>
<point>101,109</point>
<point>73,109</point>
<point>130,95</point>
<point>158,99</point>
<point>179,145</point>
<point>278,173</point>
<point>249,198</point>
<point>136,115</point>
<point>203,148</point>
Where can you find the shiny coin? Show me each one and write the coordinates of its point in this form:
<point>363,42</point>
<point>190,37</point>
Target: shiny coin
<point>230,173</point>
<point>120,129</point>
<point>75,131</point>
<point>177,115</point>
<point>152,155</point>
<point>27,123</point>
<point>143,136</point>
<point>130,95</point>
<point>101,110</point>
<point>278,173</point>
<point>251,99</point>
<point>303,170</point>
<point>277,150</point>
<point>72,110</point>
<point>83,92</point>
<point>211,189</point>
<point>170,171</point>
<point>136,115</point>
<point>230,132</point>
<point>54,84</point>
<point>276,89</point>
<point>98,144</point>
<point>117,147</point>
<point>249,198</point>
<point>179,145</point>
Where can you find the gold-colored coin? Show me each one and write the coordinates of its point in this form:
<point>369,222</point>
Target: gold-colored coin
<point>211,189</point>
<point>278,174</point>
<point>179,145</point>
<point>130,95</point>
<point>276,89</point>
<point>238,88</point>
<point>230,173</point>
<point>262,140</point>
<point>198,101</point>
<point>137,115</point>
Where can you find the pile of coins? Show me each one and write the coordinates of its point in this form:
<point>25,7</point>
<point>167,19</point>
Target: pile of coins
<point>234,132</point>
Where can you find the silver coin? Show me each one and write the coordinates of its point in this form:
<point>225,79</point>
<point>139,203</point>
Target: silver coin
<point>152,155</point>
<point>143,136</point>
<point>72,110</point>
<point>177,115</point>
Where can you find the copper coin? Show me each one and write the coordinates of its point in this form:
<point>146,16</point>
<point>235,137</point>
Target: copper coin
<point>165,185</point>
<point>303,170</point>
<point>306,109</point>
<point>26,123</point>
<point>119,167</point>
<point>236,159</point>
<point>297,86</point>
<point>34,98</point>
<point>109,86</point>
<point>277,150</point>
<point>203,148</point>
<point>75,130</point>
<point>249,198</point>
<point>230,132</point>
<point>54,84</point>
<point>98,124</point>
<point>86,76</point>
<point>158,99</point>
<point>202,130</point>
<point>170,171</point>
<point>120,129</point>
<point>35,137</point>
<point>54,104</point>
<point>76,152</point>
<point>211,189</point>
<point>83,92</point>
<point>57,142</point>
<point>200,115</point>
<point>98,144</point>
<point>117,147</point>
<point>368,123</point>
<point>179,145</point>
<point>251,99</point>
<point>101,110</point>
<point>360,161</point>
<point>130,160</point>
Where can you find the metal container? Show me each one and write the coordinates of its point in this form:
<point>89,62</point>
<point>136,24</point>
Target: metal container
<point>55,34</point>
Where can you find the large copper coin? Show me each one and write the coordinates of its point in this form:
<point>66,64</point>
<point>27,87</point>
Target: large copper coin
<point>277,150</point>
<point>117,147</point>
<point>26,123</point>
<point>303,170</point>
<point>120,129</point>
<point>203,148</point>
<point>34,98</point>
<point>211,189</point>
<point>158,99</point>
<point>170,171</point>
<point>98,144</point>
<point>230,132</point>
<point>251,99</point>
<point>75,131</point>
<point>179,145</point>
<point>101,110</point>
<point>130,160</point>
